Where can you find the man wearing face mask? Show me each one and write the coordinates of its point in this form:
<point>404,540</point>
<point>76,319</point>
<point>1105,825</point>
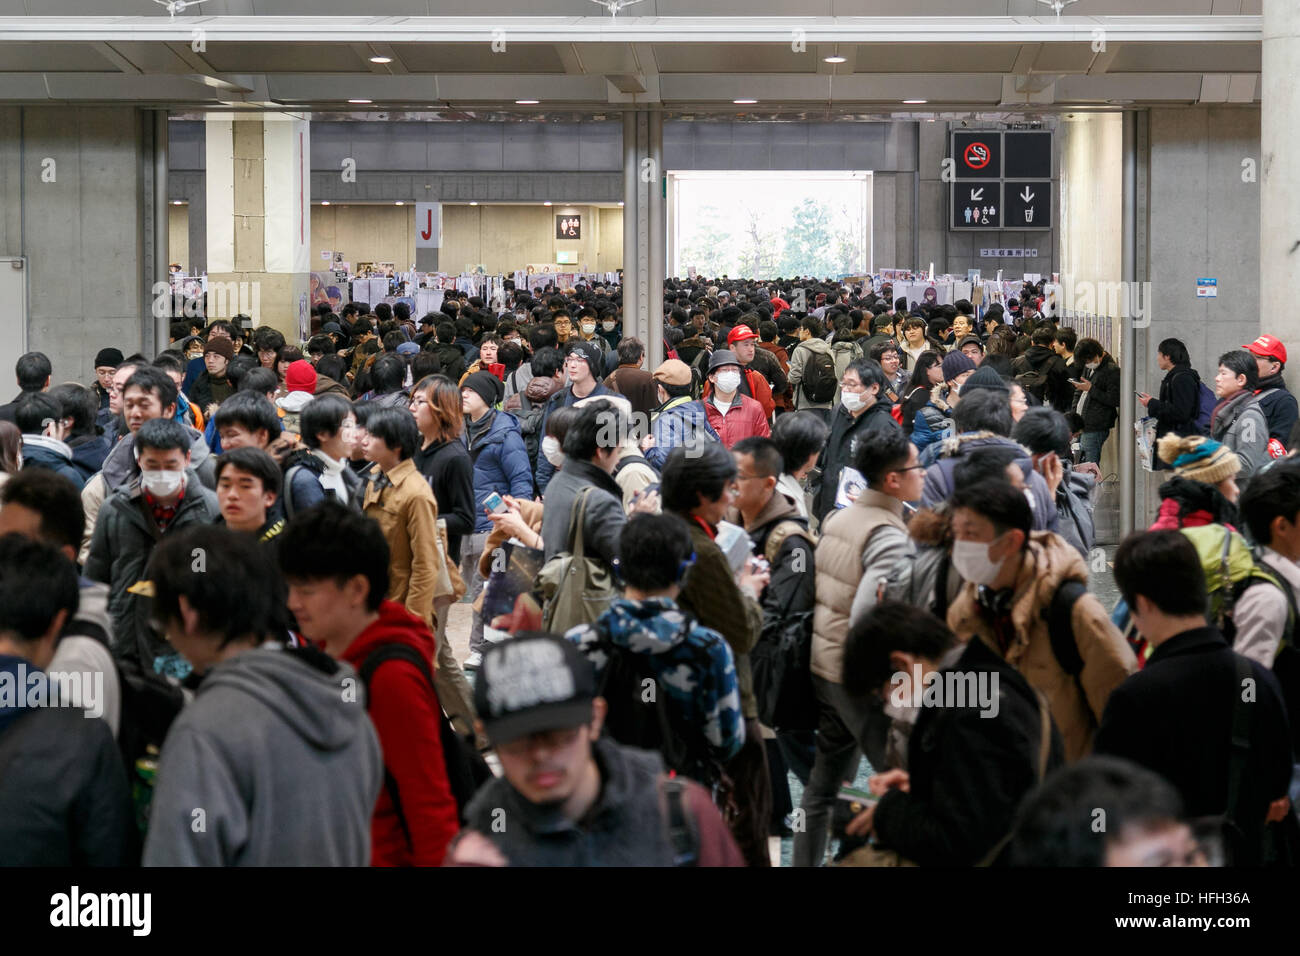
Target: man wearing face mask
<point>165,498</point>
<point>863,409</point>
<point>732,414</point>
<point>1025,596</point>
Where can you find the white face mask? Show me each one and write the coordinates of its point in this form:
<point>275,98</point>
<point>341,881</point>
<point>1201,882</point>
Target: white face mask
<point>728,381</point>
<point>609,326</point>
<point>1093,366</point>
<point>972,561</point>
<point>852,400</point>
<point>588,328</point>
<point>551,450</point>
<point>161,484</point>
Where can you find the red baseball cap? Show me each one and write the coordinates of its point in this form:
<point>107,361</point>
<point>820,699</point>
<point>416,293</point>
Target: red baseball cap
<point>1268,347</point>
<point>739,334</point>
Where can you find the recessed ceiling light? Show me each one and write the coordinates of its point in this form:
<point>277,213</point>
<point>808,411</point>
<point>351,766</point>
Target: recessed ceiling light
<point>546,204</point>
<point>620,204</point>
<point>399,203</point>
<point>473,204</point>
<point>360,101</point>
<point>915,102</point>
<point>325,203</point>
<point>835,59</point>
<point>744,102</point>
<point>381,59</point>
<point>177,202</point>
<point>526,102</point>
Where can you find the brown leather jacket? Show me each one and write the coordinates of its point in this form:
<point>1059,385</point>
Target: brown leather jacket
<point>408,515</point>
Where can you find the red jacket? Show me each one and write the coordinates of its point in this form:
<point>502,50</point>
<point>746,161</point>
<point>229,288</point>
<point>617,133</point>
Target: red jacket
<point>404,710</point>
<point>745,419</point>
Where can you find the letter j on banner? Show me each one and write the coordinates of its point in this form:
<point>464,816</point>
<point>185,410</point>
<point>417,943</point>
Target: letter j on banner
<point>428,225</point>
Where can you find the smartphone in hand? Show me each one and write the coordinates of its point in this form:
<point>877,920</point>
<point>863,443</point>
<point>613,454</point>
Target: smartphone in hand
<point>494,505</point>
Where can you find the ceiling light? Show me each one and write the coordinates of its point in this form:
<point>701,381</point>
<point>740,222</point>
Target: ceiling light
<point>835,59</point>
<point>325,203</point>
<point>744,102</point>
<point>473,204</point>
<point>381,59</point>
<point>177,202</point>
<point>526,102</point>
<point>546,204</point>
<point>359,102</point>
<point>915,102</point>
<point>399,203</point>
<point>620,204</point>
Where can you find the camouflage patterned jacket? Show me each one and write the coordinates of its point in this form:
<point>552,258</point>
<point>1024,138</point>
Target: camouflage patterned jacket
<point>693,665</point>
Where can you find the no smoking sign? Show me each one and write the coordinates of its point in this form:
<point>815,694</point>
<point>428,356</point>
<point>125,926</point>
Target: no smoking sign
<point>979,155</point>
<point>976,155</point>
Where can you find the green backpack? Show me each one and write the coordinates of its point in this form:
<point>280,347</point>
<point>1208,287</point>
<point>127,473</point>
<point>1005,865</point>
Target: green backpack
<point>575,589</point>
<point>1230,567</point>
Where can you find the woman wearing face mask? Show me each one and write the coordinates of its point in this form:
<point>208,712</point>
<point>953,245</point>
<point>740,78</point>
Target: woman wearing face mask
<point>1012,577</point>
<point>1098,390</point>
<point>587,328</point>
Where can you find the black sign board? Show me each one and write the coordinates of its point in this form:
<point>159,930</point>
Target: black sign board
<point>568,227</point>
<point>977,204</point>
<point>1028,155</point>
<point>1001,179</point>
<point>978,155</point>
<point>1027,205</point>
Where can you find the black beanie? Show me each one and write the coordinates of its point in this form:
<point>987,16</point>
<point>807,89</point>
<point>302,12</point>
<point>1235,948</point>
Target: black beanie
<point>111,357</point>
<point>487,385</point>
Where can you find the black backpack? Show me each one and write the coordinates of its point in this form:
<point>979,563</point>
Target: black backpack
<point>1032,380</point>
<point>466,770</point>
<point>635,722</point>
<point>819,378</point>
<point>149,704</point>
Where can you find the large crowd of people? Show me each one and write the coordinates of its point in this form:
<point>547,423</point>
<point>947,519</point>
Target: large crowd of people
<point>863,528</point>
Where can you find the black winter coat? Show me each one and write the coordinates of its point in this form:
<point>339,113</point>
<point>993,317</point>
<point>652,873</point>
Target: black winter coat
<point>446,466</point>
<point>839,448</point>
<point>1102,406</point>
<point>1175,717</point>
<point>1180,398</point>
<point>967,772</point>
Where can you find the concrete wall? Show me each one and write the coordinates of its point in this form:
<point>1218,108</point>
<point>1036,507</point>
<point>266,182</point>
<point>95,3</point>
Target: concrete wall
<point>1204,222</point>
<point>506,237</point>
<point>364,234</point>
<point>82,233</point>
<point>178,236</point>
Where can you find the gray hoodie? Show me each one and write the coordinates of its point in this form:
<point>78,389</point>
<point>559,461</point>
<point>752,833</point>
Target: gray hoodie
<point>275,763</point>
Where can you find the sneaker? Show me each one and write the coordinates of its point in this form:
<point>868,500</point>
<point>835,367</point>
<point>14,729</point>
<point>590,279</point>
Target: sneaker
<point>473,662</point>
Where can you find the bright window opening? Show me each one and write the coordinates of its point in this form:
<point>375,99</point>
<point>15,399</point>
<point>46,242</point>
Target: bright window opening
<point>766,224</point>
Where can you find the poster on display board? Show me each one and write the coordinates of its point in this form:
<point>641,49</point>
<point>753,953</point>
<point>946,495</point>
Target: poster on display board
<point>304,324</point>
<point>428,300</point>
<point>326,290</point>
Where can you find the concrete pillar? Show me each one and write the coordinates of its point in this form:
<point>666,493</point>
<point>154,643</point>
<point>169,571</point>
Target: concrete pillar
<point>259,220</point>
<point>1279,167</point>
<point>645,230</point>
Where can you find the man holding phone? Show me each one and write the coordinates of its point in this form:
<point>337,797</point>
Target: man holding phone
<point>500,460</point>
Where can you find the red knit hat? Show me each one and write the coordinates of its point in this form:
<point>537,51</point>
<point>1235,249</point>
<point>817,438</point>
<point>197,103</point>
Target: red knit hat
<point>301,377</point>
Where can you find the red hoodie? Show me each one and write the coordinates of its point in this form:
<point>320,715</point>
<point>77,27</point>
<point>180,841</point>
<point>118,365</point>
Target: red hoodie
<point>404,709</point>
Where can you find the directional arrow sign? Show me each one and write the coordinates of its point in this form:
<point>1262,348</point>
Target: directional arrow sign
<point>977,194</point>
<point>1027,205</point>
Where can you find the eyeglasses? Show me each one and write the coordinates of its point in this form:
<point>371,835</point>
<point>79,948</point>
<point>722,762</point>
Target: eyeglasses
<point>910,468</point>
<point>550,739</point>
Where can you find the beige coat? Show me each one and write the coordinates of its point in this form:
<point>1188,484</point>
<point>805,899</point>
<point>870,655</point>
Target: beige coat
<point>1076,704</point>
<point>408,515</point>
<point>840,551</point>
